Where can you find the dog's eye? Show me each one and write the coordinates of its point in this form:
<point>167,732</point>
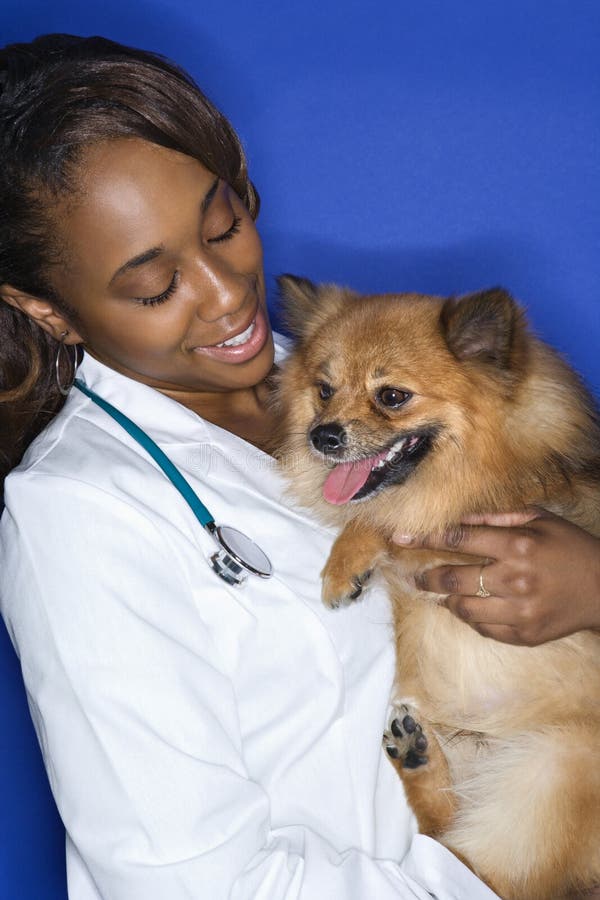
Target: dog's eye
<point>393,397</point>
<point>325,390</point>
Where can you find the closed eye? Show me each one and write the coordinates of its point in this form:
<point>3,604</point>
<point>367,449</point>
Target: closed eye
<point>162,297</point>
<point>227,235</point>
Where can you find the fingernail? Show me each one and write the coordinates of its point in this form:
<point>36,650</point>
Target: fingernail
<point>403,538</point>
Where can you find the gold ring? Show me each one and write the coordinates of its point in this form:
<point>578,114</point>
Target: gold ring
<point>482,592</point>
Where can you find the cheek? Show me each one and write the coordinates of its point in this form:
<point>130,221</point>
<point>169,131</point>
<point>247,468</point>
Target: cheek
<point>137,332</point>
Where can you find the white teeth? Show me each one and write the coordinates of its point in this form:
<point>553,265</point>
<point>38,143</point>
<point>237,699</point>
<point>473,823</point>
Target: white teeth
<point>390,454</point>
<point>395,449</point>
<point>239,338</point>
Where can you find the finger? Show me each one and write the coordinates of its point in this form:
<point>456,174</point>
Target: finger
<point>511,634</point>
<point>491,617</point>
<point>503,520</point>
<point>455,536</point>
<point>485,616</point>
<point>456,579</point>
<point>475,540</point>
<point>507,634</point>
<point>481,611</point>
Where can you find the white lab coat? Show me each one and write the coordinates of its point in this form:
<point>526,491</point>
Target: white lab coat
<point>201,740</point>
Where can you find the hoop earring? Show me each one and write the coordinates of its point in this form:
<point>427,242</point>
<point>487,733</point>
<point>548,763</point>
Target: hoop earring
<point>62,351</point>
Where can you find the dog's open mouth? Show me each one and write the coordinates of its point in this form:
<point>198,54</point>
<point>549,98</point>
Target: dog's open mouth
<point>359,479</point>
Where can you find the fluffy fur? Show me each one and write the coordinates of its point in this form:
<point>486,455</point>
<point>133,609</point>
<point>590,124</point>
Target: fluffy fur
<point>498,421</point>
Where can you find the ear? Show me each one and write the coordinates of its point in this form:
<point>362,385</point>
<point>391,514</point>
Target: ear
<point>299,300</point>
<point>306,306</point>
<point>481,326</point>
<point>42,312</point>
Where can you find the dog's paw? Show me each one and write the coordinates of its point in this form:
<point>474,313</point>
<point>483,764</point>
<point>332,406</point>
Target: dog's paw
<point>404,740</point>
<point>339,589</point>
<point>355,555</point>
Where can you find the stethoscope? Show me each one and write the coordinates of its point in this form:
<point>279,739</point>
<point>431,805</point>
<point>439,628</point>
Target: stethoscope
<point>238,555</point>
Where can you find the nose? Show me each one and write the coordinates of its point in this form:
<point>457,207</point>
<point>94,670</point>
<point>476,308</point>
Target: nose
<point>221,288</point>
<point>329,439</point>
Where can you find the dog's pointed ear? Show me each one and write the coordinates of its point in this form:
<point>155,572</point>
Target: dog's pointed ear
<point>482,326</point>
<point>305,305</point>
<point>299,299</point>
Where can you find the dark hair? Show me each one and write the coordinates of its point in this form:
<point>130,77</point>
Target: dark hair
<point>59,94</point>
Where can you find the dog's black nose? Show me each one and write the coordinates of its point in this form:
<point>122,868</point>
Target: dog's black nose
<point>330,438</point>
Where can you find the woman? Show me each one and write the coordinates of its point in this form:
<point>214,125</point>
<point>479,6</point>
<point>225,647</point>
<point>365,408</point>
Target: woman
<point>200,739</point>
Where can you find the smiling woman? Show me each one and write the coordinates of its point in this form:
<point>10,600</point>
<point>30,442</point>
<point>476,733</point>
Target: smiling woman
<point>164,268</point>
<point>81,95</point>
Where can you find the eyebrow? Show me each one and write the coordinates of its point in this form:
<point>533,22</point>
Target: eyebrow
<point>148,255</point>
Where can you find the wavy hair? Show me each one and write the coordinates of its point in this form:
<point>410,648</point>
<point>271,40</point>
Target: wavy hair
<point>58,94</point>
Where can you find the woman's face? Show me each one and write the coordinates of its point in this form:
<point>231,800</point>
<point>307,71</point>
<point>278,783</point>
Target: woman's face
<point>163,264</point>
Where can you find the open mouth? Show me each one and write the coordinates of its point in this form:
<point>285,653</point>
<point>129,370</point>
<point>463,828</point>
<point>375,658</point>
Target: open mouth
<point>361,478</point>
<point>240,338</point>
<point>244,345</point>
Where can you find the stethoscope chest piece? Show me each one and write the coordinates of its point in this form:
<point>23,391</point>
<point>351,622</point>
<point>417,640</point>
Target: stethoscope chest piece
<point>238,555</point>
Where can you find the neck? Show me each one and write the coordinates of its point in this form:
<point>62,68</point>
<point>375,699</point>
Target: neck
<point>245,412</point>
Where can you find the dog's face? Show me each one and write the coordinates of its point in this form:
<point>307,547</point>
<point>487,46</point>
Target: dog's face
<point>370,410</point>
<point>402,403</point>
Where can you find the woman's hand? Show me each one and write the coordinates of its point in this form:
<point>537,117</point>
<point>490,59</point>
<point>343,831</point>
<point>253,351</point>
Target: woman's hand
<point>543,576</point>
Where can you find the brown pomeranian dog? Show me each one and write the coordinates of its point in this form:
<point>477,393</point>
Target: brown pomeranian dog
<point>411,412</point>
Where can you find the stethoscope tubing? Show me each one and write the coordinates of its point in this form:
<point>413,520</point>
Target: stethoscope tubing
<point>221,562</point>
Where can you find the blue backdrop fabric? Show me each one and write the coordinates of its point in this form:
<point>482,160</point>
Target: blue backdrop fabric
<point>397,146</point>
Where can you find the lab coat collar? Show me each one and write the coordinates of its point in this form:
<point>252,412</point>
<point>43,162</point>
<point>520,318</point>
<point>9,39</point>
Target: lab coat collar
<point>160,416</point>
<point>166,421</point>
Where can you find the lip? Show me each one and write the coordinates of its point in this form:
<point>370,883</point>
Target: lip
<point>242,352</point>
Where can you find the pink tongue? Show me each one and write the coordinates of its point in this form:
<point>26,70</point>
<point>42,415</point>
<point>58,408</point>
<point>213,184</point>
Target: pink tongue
<point>346,479</point>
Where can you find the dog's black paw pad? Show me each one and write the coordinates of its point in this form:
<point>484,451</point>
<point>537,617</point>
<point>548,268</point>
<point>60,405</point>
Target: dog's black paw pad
<point>395,728</point>
<point>409,724</point>
<point>405,740</point>
<point>414,760</point>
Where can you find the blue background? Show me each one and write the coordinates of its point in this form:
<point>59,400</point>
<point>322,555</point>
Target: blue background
<point>431,146</point>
